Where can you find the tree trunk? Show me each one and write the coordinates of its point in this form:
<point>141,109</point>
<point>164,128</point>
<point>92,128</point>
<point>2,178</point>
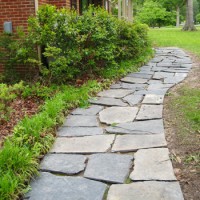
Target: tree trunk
<point>177,16</point>
<point>189,24</point>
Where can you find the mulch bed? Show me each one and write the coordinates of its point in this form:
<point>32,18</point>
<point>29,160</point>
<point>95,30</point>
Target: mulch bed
<point>19,108</point>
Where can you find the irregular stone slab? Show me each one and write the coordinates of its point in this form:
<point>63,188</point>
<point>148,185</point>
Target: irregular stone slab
<point>129,143</point>
<point>63,163</point>
<point>108,102</point>
<point>176,70</point>
<point>159,86</point>
<point>154,82</point>
<point>152,164</point>
<point>131,86</point>
<point>87,144</point>
<point>51,187</point>
<point>144,127</point>
<point>115,93</point>
<point>166,64</point>
<point>140,75</point>
<point>149,190</point>
<point>133,99</point>
<point>153,99</point>
<point>78,120</point>
<point>161,75</point>
<point>174,80</point>
<point>152,91</point>
<point>92,110</point>
<point>112,168</point>
<point>118,115</point>
<point>79,131</point>
<point>150,112</point>
<point>134,80</point>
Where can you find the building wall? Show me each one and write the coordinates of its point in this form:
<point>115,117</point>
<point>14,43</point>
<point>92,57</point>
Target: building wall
<point>18,12</point>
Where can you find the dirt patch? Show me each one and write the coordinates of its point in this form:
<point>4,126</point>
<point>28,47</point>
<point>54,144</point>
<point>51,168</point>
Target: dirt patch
<point>183,142</point>
<point>19,108</point>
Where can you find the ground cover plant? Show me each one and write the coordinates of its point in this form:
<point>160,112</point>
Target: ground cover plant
<point>182,112</point>
<point>75,50</point>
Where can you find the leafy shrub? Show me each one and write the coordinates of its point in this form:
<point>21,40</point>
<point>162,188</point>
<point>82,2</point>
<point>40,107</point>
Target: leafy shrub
<point>73,46</point>
<point>17,50</point>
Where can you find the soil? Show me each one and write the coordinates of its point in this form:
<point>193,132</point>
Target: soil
<point>19,109</point>
<point>183,145</point>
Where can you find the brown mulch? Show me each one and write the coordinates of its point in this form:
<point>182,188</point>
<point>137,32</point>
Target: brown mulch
<point>19,108</point>
<point>183,145</point>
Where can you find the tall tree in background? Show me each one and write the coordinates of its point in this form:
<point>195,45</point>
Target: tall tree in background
<point>173,5</point>
<point>189,24</point>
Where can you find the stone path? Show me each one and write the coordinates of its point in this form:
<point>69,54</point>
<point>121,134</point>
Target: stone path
<point>116,148</point>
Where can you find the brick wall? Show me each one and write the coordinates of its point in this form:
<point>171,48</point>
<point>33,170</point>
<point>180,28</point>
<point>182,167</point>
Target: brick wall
<point>16,11</point>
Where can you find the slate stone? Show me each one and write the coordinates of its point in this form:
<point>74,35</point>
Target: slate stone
<point>152,91</point>
<point>175,80</point>
<point>150,112</point>
<point>112,168</point>
<point>108,102</point>
<point>63,163</point>
<point>115,93</point>
<point>184,75</point>
<point>134,80</point>
<point>144,127</point>
<point>118,114</point>
<point>52,187</point>
<point>153,99</point>
<point>87,144</point>
<point>79,131</point>
<point>131,86</point>
<point>78,120</point>
<point>159,86</point>
<point>92,110</point>
<point>149,190</point>
<point>161,75</point>
<point>129,143</point>
<point>140,75</point>
<point>176,70</point>
<point>133,99</point>
<point>154,82</point>
<point>166,64</point>
<point>152,164</point>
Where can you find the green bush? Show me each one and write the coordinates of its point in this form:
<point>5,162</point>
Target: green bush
<point>74,46</point>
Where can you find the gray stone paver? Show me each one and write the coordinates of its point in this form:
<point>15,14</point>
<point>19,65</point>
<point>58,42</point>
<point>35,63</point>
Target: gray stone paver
<point>152,164</point>
<point>51,187</point>
<point>112,168</point>
<point>149,190</point>
<point>81,121</point>
<point>111,146</point>
<point>150,112</point>
<point>134,80</point>
<point>133,99</point>
<point>63,163</point>
<point>153,99</point>
<point>115,93</point>
<point>87,144</point>
<point>129,143</point>
<point>118,115</point>
<point>92,110</point>
<point>79,131</point>
<point>139,127</point>
<point>105,101</point>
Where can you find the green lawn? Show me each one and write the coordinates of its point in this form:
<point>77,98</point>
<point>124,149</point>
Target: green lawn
<point>166,37</point>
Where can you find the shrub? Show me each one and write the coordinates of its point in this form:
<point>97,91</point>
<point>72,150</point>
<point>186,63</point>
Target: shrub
<point>74,46</point>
